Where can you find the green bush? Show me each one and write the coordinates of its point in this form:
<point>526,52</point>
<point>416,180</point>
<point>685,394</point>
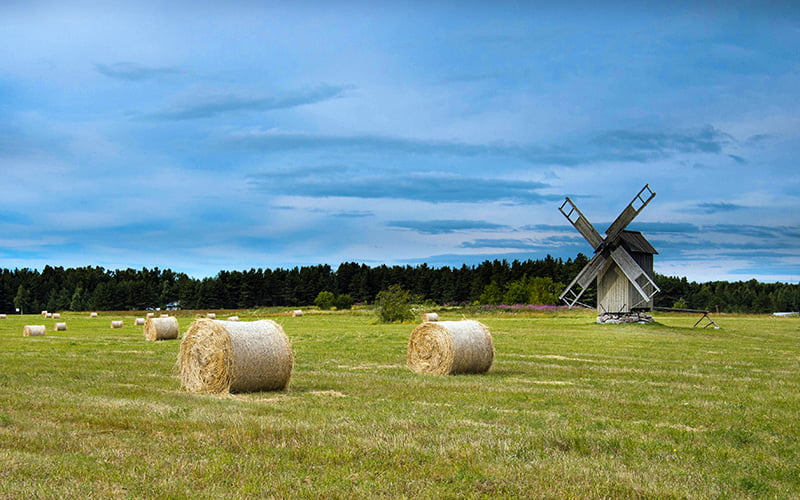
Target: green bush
<point>324,300</point>
<point>343,301</point>
<point>394,304</point>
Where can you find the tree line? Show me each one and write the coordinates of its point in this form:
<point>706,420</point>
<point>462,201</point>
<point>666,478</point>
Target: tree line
<point>536,281</point>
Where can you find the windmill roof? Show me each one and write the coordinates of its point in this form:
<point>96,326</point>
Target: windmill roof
<point>634,241</point>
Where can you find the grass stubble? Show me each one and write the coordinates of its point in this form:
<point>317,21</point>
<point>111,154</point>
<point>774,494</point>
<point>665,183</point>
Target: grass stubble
<point>569,409</point>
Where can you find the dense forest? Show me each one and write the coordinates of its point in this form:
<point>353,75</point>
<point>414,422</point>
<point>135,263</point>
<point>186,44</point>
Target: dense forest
<point>492,282</point>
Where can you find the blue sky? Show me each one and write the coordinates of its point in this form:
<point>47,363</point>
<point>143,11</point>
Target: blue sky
<point>203,136</point>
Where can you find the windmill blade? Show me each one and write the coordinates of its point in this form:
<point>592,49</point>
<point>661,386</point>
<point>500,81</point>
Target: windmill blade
<point>635,274</point>
<point>581,223</point>
<point>631,211</point>
<point>584,279</point>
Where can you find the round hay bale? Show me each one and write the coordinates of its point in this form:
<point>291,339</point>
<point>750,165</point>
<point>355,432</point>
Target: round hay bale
<point>3,316</point>
<point>92,315</point>
<point>60,327</point>
<point>428,317</point>
<point>164,315</point>
<point>33,330</point>
<point>56,315</point>
<point>116,324</point>
<point>138,321</point>
<point>44,313</point>
<point>211,315</point>
<point>233,318</point>
<point>450,347</point>
<point>150,315</point>
<point>48,315</point>
<point>297,313</point>
<point>227,356</point>
<point>161,328</point>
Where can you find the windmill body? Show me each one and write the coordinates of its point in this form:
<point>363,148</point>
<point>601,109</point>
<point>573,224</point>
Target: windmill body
<point>622,262</point>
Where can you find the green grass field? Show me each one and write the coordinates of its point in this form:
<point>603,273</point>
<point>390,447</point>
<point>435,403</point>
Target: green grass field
<point>569,409</point>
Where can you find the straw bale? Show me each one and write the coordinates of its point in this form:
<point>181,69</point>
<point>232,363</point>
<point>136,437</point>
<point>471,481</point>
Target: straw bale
<point>93,315</point>
<point>427,317</point>
<point>211,315</point>
<point>138,321</point>
<point>297,313</point>
<point>32,330</point>
<point>450,347</point>
<point>150,315</point>
<point>233,318</point>
<point>56,315</point>
<point>164,316</point>
<point>60,327</point>
<point>228,356</point>
<point>3,316</point>
<point>44,313</point>
<point>116,324</point>
<point>161,328</point>
<point>48,315</point>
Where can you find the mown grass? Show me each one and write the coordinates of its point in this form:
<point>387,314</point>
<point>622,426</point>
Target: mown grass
<point>570,409</point>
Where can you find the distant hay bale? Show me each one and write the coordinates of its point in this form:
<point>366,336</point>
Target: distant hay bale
<point>60,327</point>
<point>211,315</point>
<point>116,324</point>
<point>450,347</point>
<point>233,318</point>
<point>150,315</point>
<point>48,315</point>
<point>33,330</point>
<point>227,356</point>
<point>93,315</point>
<point>3,316</point>
<point>428,317</point>
<point>56,315</point>
<point>297,313</point>
<point>161,328</point>
<point>44,313</point>
<point>164,316</point>
<point>138,321</point>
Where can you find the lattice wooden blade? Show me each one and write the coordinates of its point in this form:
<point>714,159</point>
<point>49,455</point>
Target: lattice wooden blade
<point>631,211</point>
<point>635,274</point>
<point>584,278</point>
<point>581,223</point>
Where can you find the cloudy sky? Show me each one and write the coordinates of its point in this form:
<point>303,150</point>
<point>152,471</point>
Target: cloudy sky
<point>203,136</point>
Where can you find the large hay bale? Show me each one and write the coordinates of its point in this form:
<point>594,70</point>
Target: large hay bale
<point>233,318</point>
<point>450,347</point>
<point>428,317</point>
<point>56,315</point>
<point>297,313</point>
<point>60,327</point>
<point>150,315</point>
<point>3,316</point>
<point>138,321</point>
<point>161,328</point>
<point>93,315</point>
<point>33,330</point>
<point>44,313</point>
<point>211,315</point>
<point>164,315</point>
<point>116,324</point>
<point>228,356</point>
<point>48,315</point>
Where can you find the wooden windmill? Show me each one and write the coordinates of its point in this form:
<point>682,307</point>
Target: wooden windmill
<point>622,262</point>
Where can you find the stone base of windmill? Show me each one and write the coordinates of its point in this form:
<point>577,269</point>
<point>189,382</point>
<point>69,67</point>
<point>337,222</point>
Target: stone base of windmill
<point>622,318</point>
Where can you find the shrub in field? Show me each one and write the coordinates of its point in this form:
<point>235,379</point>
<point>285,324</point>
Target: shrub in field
<point>343,301</point>
<point>394,304</point>
<point>324,300</point>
